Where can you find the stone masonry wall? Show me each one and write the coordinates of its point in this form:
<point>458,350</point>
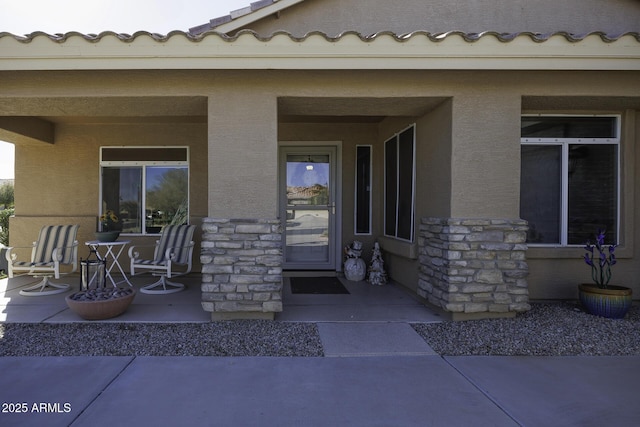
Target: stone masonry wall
<point>241,268</point>
<point>474,265</point>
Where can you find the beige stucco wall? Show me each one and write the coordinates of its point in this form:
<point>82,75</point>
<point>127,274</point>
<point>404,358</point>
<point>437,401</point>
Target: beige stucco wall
<point>371,16</point>
<point>486,154</point>
<point>467,143</point>
<point>433,159</point>
<point>243,159</point>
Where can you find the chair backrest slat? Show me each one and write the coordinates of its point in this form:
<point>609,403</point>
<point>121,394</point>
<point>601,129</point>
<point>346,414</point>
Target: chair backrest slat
<point>55,236</point>
<point>175,236</point>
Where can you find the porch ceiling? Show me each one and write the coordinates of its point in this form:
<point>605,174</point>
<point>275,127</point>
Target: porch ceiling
<point>101,109</point>
<point>353,110</point>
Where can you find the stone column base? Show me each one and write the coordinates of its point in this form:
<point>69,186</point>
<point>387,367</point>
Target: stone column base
<point>474,268</point>
<point>241,268</point>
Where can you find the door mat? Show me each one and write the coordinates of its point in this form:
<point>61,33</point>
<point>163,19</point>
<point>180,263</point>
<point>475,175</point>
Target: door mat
<point>317,285</point>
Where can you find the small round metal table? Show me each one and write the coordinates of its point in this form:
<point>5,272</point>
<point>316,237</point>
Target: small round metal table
<point>112,252</point>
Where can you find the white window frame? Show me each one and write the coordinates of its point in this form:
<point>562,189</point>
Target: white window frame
<point>143,164</point>
<point>413,180</point>
<point>564,143</point>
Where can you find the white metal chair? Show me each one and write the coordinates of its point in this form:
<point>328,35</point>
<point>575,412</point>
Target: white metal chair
<point>175,248</point>
<point>56,246</point>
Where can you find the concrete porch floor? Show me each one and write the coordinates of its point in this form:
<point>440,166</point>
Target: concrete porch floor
<point>365,303</point>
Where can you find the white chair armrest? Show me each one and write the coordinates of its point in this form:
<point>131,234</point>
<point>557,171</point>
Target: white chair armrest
<point>57,253</point>
<point>134,251</point>
<point>170,252</point>
<point>12,256</point>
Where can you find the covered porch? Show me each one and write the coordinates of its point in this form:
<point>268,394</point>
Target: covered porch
<point>364,303</point>
<point>235,167</point>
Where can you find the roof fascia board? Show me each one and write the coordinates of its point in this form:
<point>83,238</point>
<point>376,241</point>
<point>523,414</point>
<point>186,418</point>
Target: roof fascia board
<point>318,52</point>
<point>250,18</point>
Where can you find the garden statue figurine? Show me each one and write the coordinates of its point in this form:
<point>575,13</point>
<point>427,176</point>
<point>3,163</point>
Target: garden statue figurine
<point>377,275</point>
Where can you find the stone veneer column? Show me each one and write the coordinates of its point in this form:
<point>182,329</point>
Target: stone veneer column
<point>241,268</point>
<point>474,268</point>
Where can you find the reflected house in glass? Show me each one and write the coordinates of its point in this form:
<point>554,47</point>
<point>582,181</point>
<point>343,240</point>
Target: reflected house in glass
<point>477,142</point>
<point>307,195</point>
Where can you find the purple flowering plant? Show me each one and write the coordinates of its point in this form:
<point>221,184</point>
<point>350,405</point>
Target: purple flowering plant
<point>601,258</point>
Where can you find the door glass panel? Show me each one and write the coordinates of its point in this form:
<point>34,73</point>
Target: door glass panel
<point>308,208</point>
<point>307,236</point>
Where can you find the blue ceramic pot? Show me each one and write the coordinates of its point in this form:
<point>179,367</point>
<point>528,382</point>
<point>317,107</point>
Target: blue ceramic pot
<point>613,302</point>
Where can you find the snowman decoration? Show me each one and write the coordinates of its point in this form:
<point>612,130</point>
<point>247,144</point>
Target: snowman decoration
<point>355,268</point>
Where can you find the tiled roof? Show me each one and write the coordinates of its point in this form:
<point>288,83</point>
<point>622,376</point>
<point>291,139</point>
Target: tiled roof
<point>434,37</point>
<point>216,22</point>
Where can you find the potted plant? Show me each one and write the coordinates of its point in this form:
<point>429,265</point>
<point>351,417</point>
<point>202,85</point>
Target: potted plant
<point>601,298</point>
<point>108,231</point>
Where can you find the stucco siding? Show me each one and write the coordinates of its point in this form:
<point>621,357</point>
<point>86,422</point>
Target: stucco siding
<point>371,16</point>
<point>486,154</point>
<point>433,158</point>
<point>243,162</point>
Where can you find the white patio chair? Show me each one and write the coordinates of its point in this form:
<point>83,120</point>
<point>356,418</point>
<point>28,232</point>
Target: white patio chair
<point>56,246</point>
<point>175,248</point>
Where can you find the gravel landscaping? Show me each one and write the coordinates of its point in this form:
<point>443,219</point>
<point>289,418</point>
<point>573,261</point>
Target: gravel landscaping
<point>560,329</point>
<point>237,338</point>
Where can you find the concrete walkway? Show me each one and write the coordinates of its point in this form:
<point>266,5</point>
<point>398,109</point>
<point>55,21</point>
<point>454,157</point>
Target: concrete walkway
<point>376,372</point>
<point>332,391</point>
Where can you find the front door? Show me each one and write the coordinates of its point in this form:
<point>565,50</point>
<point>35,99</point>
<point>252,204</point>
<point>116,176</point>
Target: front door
<point>308,207</point>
